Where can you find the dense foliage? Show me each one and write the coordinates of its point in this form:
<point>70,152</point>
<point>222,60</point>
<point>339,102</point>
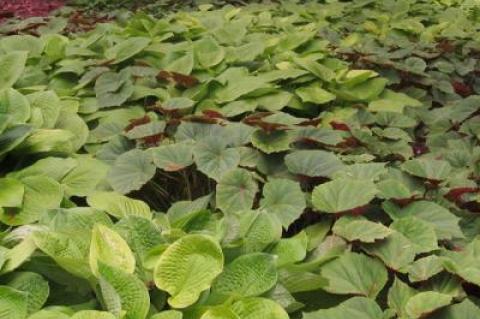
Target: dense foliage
<point>307,161</point>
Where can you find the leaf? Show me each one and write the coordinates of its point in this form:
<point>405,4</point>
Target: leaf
<point>313,163</point>
<point>12,65</point>
<point>13,303</point>
<point>365,91</point>
<point>126,49</point>
<point>464,310</point>
<point>361,229</point>
<point>41,193</point>
<point>271,142</point>
<point>48,104</point>
<point>356,307</point>
<point>84,178</point>
<point>118,205</point>
<point>444,222</point>
<point>239,87</point>
<point>420,233</point>
<point>214,158</point>
<point>15,105</point>
<point>117,284</point>
<point>169,314</point>
<point>219,312</point>
<point>258,308</point>
<point>425,303</point>
<point>178,104</point>
<point>208,52</point>
<point>11,192</point>
<point>34,287</point>
<point>92,314</point>
<point>396,251</point>
<point>315,94</point>
<point>435,170</point>
<point>424,268</point>
<point>247,276</point>
<point>109,248</point>
<point>398,296</point>
<point>131,171</point>
<point>188,267</point>
<point>341,195</point>
<point>236,191</point>
<point>354,273</point>
<point>318,69</point>
<point>286,208</point>
<point>291,250</point>
<point>113,89</point>
<point>12,137</point>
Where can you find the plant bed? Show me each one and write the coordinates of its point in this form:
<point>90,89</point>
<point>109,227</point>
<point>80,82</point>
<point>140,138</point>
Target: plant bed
<point>270,161</point>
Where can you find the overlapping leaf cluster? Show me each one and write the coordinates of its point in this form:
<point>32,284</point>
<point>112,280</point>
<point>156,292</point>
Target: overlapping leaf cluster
<point>289,161</point>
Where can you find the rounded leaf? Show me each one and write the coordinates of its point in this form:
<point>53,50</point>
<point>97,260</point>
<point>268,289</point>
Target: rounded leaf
<point>342,195</point>
<point>111,249</point>
<point>188,267</point>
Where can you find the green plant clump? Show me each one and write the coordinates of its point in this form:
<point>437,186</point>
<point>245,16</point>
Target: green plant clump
<point>314,160</point>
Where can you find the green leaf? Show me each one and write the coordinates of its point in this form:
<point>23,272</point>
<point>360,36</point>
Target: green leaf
<point>41,193</point>
<point>319,70</point>
<point>12,137</point>
<point>291,250</point>
<point>65,250</point>
<point>12,65</point>
<point>34,287</point>
<point>109,248</point>
<point>118,205</point>
<point>361,229</point>
<point>343,194</point>
<point>247,276</point>
<point>313,163</point>
<point>11,192</point>
<point>424,268</point>
<point>214,159</point>
<point>131,171</point>
<point>83,179</point>
<point>258,308</point>
<point>271,142</point>
<point>396,251</point>
<point>464,310</point>
<point>356,307</point>
<point>315,94</point>
<point>398,296</point>
<point>182,104</point>
<point>48,104</point>
<point>15,105</point>
<point>286,208</point>
<point>435,170</point>
<point>169,314</point>
<point>188,267</point>
<point>113,89</point>
<point>365,91</point>
<point>236,191</point>
<point>92,314</point>
<point>420,233</point>
<point>126,49</point>
<point>424,303</point>
<point>208,52</point>
<point>118,285</point>
<point>13,303</point>
<point>220,312</point>
<point>24,42</point>
<point>444,222</point>
<point>354,273</point>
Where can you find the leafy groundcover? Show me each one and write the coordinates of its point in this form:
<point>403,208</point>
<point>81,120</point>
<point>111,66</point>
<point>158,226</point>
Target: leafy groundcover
<point>293,160</point>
